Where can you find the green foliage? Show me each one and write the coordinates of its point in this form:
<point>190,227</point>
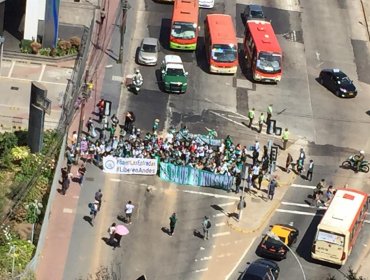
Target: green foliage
<point>22,254</point>
<point>351,275</point>
<point>19,153</point>
<point>45,51</point>
<point>7,141</point>
<point>25,46</point>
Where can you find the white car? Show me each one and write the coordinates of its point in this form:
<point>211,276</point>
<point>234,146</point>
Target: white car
<point>208,4</point>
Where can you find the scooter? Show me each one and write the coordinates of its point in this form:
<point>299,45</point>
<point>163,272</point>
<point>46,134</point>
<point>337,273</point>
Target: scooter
<point>136,85</point>
<point>350,163</point>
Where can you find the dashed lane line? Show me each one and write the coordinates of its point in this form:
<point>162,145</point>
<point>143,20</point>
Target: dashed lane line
<point>201,270</point>
<point>220,224</point>
<point>302,186</point>
<point>221,234</point>
<point>241,258</point>
<point>212,194</point>
<point>226,204</point>
<point>302,205</point>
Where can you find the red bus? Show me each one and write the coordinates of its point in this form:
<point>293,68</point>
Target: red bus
<point>339,228</point>
<point>184,27</point>
<point>221,44</point>
<point>263,52</point>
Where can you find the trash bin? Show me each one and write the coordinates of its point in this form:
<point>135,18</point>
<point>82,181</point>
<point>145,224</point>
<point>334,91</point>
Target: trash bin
<point>278,131</point>
<point>271,126</point>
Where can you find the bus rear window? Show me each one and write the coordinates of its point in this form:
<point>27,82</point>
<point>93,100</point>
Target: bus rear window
<point>330,237</point>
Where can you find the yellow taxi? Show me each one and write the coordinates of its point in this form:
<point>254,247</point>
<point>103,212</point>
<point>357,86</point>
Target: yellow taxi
<point>274,244</point>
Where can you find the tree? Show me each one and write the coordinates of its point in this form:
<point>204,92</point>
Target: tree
<point>351,275</point>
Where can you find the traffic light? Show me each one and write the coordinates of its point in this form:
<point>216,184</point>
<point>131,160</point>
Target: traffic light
<point>274,153</point>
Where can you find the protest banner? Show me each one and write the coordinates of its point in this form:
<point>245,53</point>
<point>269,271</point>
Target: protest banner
<point>187,175</point>
<point>142,166</point>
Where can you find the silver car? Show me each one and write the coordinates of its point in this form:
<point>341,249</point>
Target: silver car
<point>148,53</point>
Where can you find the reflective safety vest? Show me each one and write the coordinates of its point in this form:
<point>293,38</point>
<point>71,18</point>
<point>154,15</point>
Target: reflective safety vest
<point>285,135</point>
<point>269,110</point>
<point>261,119</point>
<point>251,114</point>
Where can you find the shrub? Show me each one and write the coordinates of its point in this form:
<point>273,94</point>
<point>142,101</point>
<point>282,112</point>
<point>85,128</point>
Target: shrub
<point>19,153</point>
<point>35,46</point>
<point>75,42</point>
<point>25,46</point>
<point>45,51</point>
<point>22,254</point>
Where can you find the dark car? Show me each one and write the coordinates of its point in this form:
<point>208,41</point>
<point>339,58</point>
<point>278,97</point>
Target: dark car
<point>271,248</point>
<point>337,82</point>
<point>261,269</point>
<point>253,12</point>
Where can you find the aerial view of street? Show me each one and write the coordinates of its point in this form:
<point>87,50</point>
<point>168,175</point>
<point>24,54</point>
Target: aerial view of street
<point>221,139</point>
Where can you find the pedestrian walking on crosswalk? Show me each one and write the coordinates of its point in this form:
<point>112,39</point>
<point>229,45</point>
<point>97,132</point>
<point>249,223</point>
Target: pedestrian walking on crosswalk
<point>285,138</point>
<point>250,117</point>
<point>269,114</point>
<point>173,221</point>
<point>310,171</point>
<point>206,224</point>
<point>260,122</point>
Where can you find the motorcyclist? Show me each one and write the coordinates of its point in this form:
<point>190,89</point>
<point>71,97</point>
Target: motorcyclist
<point>359,158</point>
<point>137,78</point>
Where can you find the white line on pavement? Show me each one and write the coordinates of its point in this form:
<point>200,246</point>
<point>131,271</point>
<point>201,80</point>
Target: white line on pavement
<point>219,215</point>
<point>211,194</point>
<point>297,212</point>
<point>11,69</point>
<point>226,118</point>
<point>241,258</point>
<point>27,80</point>
<point>42,72</point>
<point>301,205</point>
<point>201,270</point>
<point>115,180</point>
<point>221,234</point>
<point>226,204</point>
<point>302,186</point>
<point>220,224</point>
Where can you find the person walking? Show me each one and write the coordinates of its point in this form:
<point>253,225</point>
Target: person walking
<point>261,120</point>
<point>206,224</point>
<point>173,221</point>
<point>285,138</point>
<point>81,173</point>
<point>129,208</point>
<point>289,160</point>
<point>93,211</point>
<point>111,231</point>
<point>271,188</point>
<point>269,114</point>
<point>250,117</point>
<point>310,171</point>
<point>238,182</point>
<point>260,179</point>
<point>98,198</point>
<point>70,159</point>
<point>65,183</point>
<point>302,155</point>
<point>155,126</point>
<point>255,172</point>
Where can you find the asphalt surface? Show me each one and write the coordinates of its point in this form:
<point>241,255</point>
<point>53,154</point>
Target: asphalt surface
<point>326,36</point>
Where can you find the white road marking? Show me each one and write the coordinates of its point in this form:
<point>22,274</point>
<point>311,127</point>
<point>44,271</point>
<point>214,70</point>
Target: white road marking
<point>226,204</point>
<point>297,212</point>
<point>117,78</point>
<point>226,118</point>
<point>301,205</point>
<point>241,258</point>
<point>211,194</point>
<point>42,72</point>
<point>202,248</point>
<point>206,258</point>
<point>220,224</point>
<point>201,270</point>
<point>237,117</point>
<point>115,180</point>
<point>302,186</point>
<point>11,69</point>
<point>27,80</point>
<point>367,221</point>
<point>67,210</point>
<point>219,215</point>
<point>221,234</point>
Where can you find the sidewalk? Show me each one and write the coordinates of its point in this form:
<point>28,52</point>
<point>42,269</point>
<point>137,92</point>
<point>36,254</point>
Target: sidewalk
<point>55,249</point>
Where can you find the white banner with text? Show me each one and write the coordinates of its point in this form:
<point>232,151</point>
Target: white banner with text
<point>142,166</point>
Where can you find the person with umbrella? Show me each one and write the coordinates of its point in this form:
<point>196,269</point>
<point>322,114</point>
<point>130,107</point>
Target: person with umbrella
<point>118,233</point>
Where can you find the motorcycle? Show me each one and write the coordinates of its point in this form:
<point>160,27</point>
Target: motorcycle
<point>136,85</point>
<point>350,163</point>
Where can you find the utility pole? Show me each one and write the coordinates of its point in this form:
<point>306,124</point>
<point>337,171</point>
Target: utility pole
<point>124,7</point>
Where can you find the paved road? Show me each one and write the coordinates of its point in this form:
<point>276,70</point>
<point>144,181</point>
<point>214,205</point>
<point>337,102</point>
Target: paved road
<point>220,102</point>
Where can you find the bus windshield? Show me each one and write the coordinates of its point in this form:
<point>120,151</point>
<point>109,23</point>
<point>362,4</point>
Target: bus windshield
<point>224,53</point>
<point>269,62</point>
<point>183,30</point>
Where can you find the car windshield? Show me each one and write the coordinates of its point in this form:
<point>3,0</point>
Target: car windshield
<point>269,62</point>
<point>343,79</point>
<point>175,72</point>
<point>257,14</point>
<point>149,48</point>
<point>224,53</point>
<point>183,30</point>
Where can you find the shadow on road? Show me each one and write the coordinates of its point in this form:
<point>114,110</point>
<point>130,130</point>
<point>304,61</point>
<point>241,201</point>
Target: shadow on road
<point>88,219</point>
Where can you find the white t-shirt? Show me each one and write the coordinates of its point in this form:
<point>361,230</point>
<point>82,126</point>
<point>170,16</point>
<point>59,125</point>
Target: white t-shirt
<point>129,208</point>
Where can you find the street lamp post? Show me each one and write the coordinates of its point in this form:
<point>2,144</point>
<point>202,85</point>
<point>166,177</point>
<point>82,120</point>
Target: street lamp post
<point>275,237</point>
